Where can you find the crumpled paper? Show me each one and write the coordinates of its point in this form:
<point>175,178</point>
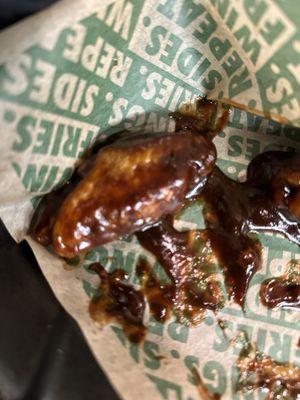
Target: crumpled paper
<point>80,71</point>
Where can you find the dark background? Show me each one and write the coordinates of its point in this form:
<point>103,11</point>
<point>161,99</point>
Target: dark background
<point>13,10</point>
<point>43,354</point>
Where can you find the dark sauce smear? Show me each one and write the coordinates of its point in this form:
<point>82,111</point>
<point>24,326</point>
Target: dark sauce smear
<point>267,201</point>
<point>136,183</point>
<point>186,259</point>
<point>204,392</point>
<point>160,296</point>
<point>208,118</point>
<point>233,212</point>
<point>283,291</point>
<point>259,371</point>
<point>119,301</point>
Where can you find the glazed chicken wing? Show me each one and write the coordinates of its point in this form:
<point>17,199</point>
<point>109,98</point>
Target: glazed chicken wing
<point>131,183</point>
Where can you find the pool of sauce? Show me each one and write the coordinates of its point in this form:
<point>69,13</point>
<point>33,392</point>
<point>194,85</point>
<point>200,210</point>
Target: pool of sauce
<point>160,296</point>
<point>283,291</point>
<point>186,259</point>
<point>119,301</point>
<point>234,212</point>
<point>267,201</point>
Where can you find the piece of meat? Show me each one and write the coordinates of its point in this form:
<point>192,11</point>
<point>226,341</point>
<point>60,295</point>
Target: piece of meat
<point>133,183</point>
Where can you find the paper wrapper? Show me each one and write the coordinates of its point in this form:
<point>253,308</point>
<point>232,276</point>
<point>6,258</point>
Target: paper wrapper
<point>84,70</point>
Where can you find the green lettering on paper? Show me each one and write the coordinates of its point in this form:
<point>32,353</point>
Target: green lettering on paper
<point>157,34</point>
<point>24,129</point>
<point>222,6</point>
<point>207,29</point>
<point>255,9</point>
<point>70,146</point>
<point>34,177</point>
<point>216,374</point>
<point>178,332</point>
<point>52,175</point>
<point>168,390</point>
<point>151,350</point>
<point>166,8</point>
<point>44,137</point>
<point>155,327</point>
<point>234,149</point>
<point>253,122</point>
<point>187,60</point>
<point>243,34</point>
<point>191,362</point>
<point>171,50</point>
<point>189,12</point>
<point>232,63</point>
<point>281,347</point>
<point>239,83</point>
<point>272,31</point>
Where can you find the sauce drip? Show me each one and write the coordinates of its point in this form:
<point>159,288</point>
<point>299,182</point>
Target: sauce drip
<point>187,260</point>
<point>283,291</point>
<point>160,296</point>
<point>207,117</point>
<point>119,301</point>
<point>268,201</point>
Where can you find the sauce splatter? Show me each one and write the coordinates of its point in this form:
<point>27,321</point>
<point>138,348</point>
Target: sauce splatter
<point>186,259</point>
<point>119,301</point>
<point>259,371</point>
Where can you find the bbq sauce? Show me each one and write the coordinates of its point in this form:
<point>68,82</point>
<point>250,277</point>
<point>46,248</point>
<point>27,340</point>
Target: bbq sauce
<point>129,181</point>
<point>160,296</point>
<point>267,201</point>
<point>132,182</point>
<point>204,392</point>
<point>207,117</point>
<point>259,371</point>
<point>187,260</point>
<point>119,301</point>
<point>283,291</point>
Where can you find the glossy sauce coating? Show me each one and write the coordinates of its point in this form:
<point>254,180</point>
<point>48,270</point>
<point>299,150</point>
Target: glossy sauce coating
<point>119,301</point>
<point>186,260</point>
<point>267,201</point>
<point>137,182</point>
<point>160,296</point>
<point>283,291</point>
<point>132,183</point>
